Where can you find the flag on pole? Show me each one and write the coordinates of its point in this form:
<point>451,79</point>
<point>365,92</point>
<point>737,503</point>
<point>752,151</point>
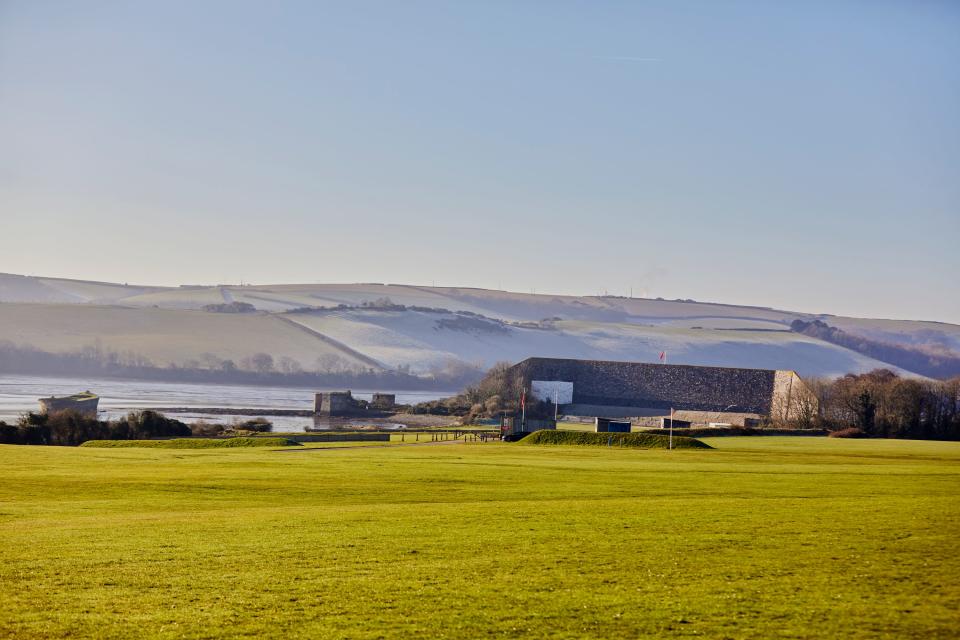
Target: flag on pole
<point>663,356</point>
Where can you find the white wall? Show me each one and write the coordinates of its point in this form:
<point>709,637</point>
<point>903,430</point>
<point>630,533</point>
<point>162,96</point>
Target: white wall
<point>552,390</point>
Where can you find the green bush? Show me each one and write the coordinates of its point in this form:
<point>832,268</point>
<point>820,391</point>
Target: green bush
<point>260,425</point>
<point>147,424</point>
<point>852,432</point>
<point>70,428</point>
<point>9,434</point>
<point>204,428</point>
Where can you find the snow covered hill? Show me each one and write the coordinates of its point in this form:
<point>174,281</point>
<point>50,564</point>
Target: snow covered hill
<point>427,328</point>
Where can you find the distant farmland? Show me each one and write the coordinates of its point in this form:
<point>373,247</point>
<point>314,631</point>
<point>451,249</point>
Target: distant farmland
<point>757,538</point>
<point>432,331</point>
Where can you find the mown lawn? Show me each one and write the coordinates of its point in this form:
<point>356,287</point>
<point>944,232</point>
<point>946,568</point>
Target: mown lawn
<point>759,538</point>
<point>191,443</point>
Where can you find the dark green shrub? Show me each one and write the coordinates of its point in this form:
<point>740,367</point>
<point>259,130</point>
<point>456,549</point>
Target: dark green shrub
<point>852,432</point>
<point>149,424</point>
<point>33,434</point>
<point>9,434</point>
<point>69,428</point>
<point>204,428</point>
<point>33,419</point>
<point>260,425</point>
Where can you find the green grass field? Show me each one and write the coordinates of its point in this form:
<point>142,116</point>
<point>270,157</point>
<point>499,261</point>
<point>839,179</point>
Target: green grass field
<point>632,440</point>
<point>191,443</point>
<point>758,538</point>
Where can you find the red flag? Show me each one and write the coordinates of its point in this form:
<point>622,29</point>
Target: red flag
<point>523,399</point>
<point>663,355</point>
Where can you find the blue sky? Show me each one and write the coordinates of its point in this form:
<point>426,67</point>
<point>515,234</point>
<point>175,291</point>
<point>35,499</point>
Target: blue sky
<point>798,155</point>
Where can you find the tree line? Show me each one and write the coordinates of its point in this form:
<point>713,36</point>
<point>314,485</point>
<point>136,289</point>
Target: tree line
<point>70,428</point>
<point>884,405</point>
<point>929,360</point>
<point>256,369</point>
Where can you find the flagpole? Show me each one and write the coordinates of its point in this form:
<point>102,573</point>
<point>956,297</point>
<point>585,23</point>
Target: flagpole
<point>671,428</point>
<point>523,410</point>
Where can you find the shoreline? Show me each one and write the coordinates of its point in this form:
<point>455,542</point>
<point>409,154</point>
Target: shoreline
<point>411,419</point>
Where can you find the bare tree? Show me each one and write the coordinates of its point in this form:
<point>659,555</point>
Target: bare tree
<point>289,366</point>
<point>259,362</point>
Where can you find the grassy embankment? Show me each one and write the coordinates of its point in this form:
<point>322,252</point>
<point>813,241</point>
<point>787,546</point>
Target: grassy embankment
<point>630,440</point>
<point>759,538</point>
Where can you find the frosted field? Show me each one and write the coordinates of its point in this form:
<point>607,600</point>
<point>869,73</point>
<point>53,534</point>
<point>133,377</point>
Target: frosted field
<point>162,335</point>
<point>902,331</point>
<point>397,338</point>
<point>167,326</point>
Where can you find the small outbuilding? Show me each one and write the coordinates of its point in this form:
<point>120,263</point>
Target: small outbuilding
<point>515,427</point>
<point>606,425</point>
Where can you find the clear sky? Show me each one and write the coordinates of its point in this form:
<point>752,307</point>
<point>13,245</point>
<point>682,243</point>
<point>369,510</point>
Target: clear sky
<point>802,155</point>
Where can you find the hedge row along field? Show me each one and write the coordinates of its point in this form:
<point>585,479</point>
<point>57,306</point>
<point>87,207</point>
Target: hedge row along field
<point>714,432</point>
<point>634,440</point>
<point>192,443</point>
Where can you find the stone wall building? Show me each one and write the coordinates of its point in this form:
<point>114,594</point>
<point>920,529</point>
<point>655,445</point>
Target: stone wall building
<point>334,403</point>
<point>383,401</point>
<point>697,394</point>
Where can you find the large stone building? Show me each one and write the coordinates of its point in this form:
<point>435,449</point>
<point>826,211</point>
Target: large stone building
<point>700,395</point>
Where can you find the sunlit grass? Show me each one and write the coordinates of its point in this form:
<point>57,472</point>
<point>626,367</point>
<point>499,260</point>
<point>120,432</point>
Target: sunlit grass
<point>191,443</point>
<point>759,538</point>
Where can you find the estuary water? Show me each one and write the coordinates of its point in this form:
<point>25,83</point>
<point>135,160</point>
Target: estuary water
<point>18,394</point>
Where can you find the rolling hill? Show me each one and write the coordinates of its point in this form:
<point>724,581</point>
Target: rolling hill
<point>426,329</point>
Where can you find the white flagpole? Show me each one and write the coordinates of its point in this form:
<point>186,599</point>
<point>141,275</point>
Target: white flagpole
<point>523,410</point>
<point>671,428</point>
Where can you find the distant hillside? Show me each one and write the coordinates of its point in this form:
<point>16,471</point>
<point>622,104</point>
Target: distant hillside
<point>426,330</point>
<point>933,360</point>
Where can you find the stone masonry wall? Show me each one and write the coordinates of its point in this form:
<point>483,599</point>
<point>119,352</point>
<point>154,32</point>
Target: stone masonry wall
<point>383,401</point>
<point>792,399</point>
<point>334,403</point>
<point>683,387</point>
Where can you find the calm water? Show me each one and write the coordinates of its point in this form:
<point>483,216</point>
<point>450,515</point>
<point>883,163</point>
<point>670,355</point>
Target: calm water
<point>19,394</point>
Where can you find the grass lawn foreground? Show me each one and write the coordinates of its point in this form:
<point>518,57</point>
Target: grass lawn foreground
<point>771,537</point>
